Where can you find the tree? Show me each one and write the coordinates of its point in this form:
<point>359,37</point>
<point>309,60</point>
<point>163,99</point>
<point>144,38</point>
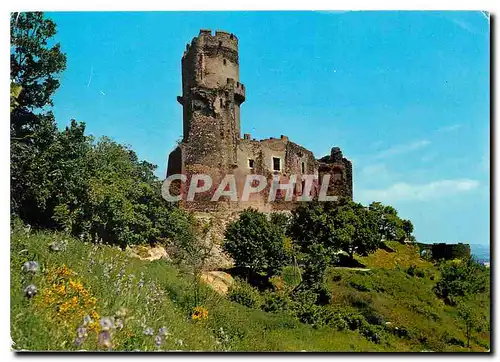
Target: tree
<point>34,65</point>
<point>470,316</point>
<point>461,279</point>
<point>343,225</point>
<point>407,228</point>
<point>390,226</point>
<point>256,243</point>
<point>356,230</point>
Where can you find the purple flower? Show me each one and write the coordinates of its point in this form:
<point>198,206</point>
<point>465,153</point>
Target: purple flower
<point>81,332</point>
<point>104,339</point>
<point>107,323</point>
<point>78,341</point>
<point>148,331</point>
<point>30,291</point>
<point>158,341</point>
<point>30,267</point>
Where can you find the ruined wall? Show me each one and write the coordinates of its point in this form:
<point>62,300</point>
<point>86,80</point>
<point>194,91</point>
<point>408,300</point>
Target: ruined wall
<point>340,170</point>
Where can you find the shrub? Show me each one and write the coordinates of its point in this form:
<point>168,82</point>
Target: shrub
<point>243,293</point>
<point>291,276</point>
<point>355,321</point>
<point>276,302</point>
<point>372,333</point>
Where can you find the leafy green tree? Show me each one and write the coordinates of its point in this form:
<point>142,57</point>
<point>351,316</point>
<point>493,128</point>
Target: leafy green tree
<point>343,225</point>
<point>356,230</point>
<point>461,279</point>
<point>471,317</point>
<point>253,241</point>
<point>407,226</point>
<point>390,226</point>
<point>34,65</point>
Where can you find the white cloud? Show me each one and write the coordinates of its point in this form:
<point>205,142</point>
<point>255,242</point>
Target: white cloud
<point>449,128</point>
<point>417,192</point>
<point>401,149</point>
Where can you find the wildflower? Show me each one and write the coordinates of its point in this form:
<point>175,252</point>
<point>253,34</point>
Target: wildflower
<point>30,291</point>
<point>30,267</point>
<point>163,331</point>
<point>118,324</point>
<point>140,284</point>
<point>199,313</point>
<point>107,323</point>
<point>78,341</point>
<point>57,246</point>
<point>158,340</point>
<point>87,320</point>
<point>179,342</point>
<point>148,331</point>
<point>81,332</point>
<point>104,339</point>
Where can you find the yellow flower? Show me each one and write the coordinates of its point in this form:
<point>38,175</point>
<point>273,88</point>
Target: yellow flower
<point>199,313</point>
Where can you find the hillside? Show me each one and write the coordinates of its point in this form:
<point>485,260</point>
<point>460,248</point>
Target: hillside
<point>141,297</point>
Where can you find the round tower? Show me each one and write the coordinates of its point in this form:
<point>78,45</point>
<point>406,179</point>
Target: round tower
<point>211,99</point>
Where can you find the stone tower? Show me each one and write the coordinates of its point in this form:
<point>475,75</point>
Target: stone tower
<point>211,98</point>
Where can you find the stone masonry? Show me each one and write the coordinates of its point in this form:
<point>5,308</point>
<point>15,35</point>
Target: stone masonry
<point>212,95</point>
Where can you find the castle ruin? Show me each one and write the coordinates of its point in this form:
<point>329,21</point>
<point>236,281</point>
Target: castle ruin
<point>212,95</point>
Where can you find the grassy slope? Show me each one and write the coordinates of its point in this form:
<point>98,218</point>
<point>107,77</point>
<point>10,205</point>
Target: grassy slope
<point>403,300</point>
<point>163,301</point>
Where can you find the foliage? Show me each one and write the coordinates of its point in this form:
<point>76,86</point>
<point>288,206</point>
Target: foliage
<point>390,226</point>
<point>255,242</point>
<point>345,225</point>
<point>15,91</point>
<point>34,65</point>
<point>469,314</point>
<point>243,293</point>
<point>461,279</point>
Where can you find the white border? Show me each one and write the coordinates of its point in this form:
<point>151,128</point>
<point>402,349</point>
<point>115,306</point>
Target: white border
<point>59,5</point>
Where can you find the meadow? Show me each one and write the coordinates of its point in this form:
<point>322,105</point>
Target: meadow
<point>97,297</point>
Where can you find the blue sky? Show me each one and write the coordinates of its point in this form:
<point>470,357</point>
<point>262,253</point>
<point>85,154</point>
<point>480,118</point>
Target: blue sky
<point>404,94</point>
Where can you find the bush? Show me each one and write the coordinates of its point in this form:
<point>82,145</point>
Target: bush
<point>355,321</point>
<point>291,276</point>
<point>243,293</point>
<point>372,333</point>
<point>276,302</point>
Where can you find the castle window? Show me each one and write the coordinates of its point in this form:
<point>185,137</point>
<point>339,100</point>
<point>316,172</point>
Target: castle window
<point>250,163</point>
<point>224,61</point>
<point>221,105</point>
<point>220,43</point>
<point>276,164</point>
<point>303,168</point>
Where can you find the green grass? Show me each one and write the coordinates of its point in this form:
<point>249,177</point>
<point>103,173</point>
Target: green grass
<point>165,300</point>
